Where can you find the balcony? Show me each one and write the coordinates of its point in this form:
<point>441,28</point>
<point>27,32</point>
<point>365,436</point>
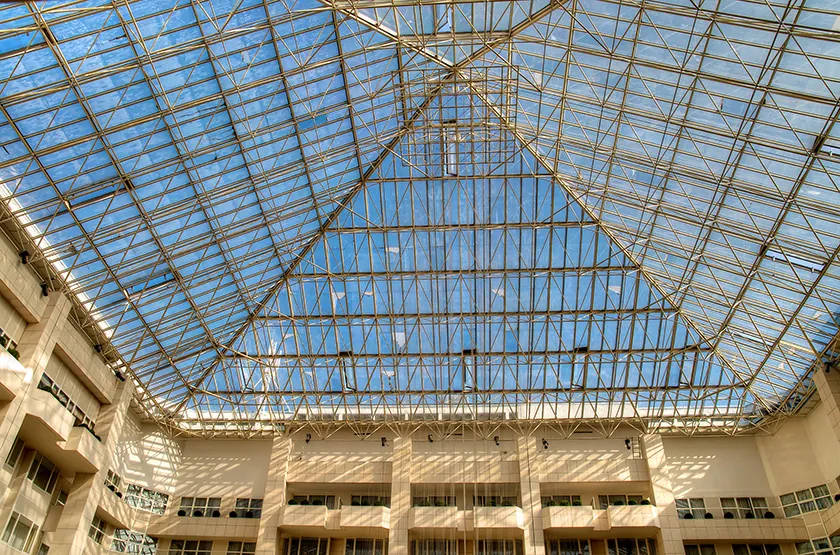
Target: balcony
<point>46,421</point>
<point>774,530</point>
<point>82,451</point>
<point>438,518</point>
<point>498,518</point>
<point>580,518</point>
<point>172,525</point>
<point>114,509</point>
<point>366,520</point>
<point>12,376</point>
<point>304,519</point>
<point>639,518</point>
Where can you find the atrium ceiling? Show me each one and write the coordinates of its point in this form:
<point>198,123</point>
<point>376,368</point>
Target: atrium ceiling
<point>377,210</point>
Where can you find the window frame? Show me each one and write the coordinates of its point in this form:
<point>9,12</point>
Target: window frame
<point>15,453</point>
<point>245,504</point>
<point>241,548</point>
<point>204,504</point>
<point>740,506</point>
<point>12,526</point>
<point>190,547</point>
<point>695,506</point>
<point>53,473</point>
<point>98,529</point>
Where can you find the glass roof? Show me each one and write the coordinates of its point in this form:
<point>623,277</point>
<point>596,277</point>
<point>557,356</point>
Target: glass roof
<point>582,210</point>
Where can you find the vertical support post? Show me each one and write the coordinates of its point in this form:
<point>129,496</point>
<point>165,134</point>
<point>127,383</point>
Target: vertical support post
<point>275,496</point>
<point>529,483</point>
<point>71,532</point>
<point>669,539</point>
<point>400,497</point>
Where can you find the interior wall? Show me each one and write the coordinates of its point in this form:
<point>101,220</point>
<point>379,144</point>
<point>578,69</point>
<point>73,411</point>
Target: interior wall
<point>11,322</point>
<point>72,386</point>
<point>716,467</point>
<point>223,468</point>
<point>147,456</point>
<point>824,442</point>
<point>789,459</point>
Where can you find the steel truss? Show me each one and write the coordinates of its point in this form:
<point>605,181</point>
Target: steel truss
<point>380,212</point>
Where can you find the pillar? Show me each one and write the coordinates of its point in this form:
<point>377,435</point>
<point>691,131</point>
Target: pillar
<point>400,497</point>
<point>828,388</point>
<point>669,539</point>
<point>275,496</point>
<point>529,484</point>
<point>36,347</point>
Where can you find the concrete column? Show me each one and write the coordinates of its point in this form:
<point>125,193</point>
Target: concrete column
<point>669,539</point>
<point>529,484</point>
<point>400,497</point>
<point>36,346</point>
<point>70,535</point>
<point>275,496</point>
<point>828,388</point>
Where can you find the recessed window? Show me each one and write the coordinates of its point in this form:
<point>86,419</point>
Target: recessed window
<point>242,548</point>
<point>605,501</point>
<point>200,506</point>
<point>434,547</point>
<point>806,500</point>
<point>43,473</point>
<point>248,508</point>
<point>190,547</point>
<point>561,500</point>
<point>756,549</point>
<point>20,532</point>
<point>494,501</point>
<point>365,547</point>
<point>14,455</point>
<point>97,529</point>
<point>819,546</point>
<point>370,501</point>
<point>568,547</point>
<point>631,547</point>
<point>434,501</point>
<point>146,499</point>
<point>329,500</point>
<point>703,549</point>
<point>61,498</point>
<point>696,507</point>
<point>498,547</point>
<point>126,541</point>
<point>744,507</point>
<point>307,546</point>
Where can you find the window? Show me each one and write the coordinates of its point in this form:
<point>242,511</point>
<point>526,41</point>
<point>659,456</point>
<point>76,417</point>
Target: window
<point>43,473</point>
<point>61,498</point>
<point>200,506</point>
<point>14,455</point>
<point>146,499</point>
<point>631,547</point>
<point>48,384</point>
<point>190,547</point>
<point>252,508</point>
<point>499,547</point>
<point>695,507</point>
<point>97,530</point>
<point>241,548</point>
<point>43,549</point>
<point>308,546</point>
<point>113,481</point>
<point>605,501</point>
<point>20,532</point>
<point>561,500</point>
<point>494,501</point>
<point>434,501</point>
<point>126,541</point>
<point>704,549</point>
<point>806,500</point>
<point>434,547</point>
<point>366,547</point>
<point>568,547</point>
<point>370,501</point>
<point>328,500</point>
<point>819,546</point>
<point>744,507</point>
<point>756,549</point>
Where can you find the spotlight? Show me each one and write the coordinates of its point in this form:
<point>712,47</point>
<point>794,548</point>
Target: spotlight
<point>98,348</point>
<point>545,443</point>
<point>24,257</point>
<point>627,444</point>
<point>431,439</point>
<point>119,376</point>
<point>45,289</point>
<point>496,440</point>
<point>385,441</point>
<point>308,438</point>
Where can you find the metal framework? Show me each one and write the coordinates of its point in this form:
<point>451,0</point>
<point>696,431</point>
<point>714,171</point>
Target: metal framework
<point>382,212</point>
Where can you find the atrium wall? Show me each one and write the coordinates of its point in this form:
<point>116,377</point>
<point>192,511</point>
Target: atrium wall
<point>84,473</point>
